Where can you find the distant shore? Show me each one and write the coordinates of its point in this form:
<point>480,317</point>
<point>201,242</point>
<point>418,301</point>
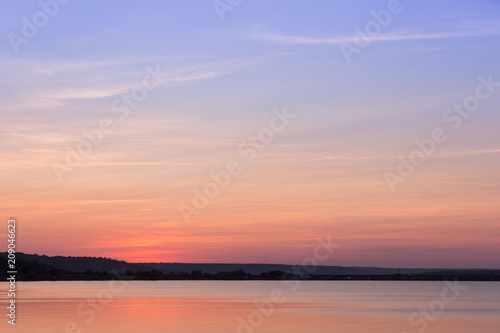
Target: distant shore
<point>32,267</point>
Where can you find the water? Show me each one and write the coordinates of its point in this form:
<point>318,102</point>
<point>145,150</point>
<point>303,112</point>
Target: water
<point>233,306</point>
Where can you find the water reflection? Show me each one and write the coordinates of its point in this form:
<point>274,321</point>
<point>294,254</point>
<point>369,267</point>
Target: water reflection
<point>232,306</point>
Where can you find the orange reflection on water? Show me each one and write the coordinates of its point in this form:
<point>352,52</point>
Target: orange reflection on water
<point>244,307</point>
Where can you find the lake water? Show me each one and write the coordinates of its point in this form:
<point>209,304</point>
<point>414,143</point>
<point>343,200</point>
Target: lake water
<point>254,306</point>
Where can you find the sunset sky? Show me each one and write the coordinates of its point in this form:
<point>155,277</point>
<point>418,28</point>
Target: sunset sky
<point>183,86</point>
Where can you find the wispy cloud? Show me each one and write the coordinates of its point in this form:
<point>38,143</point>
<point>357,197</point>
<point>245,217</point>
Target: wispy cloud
<point>87,93</point>
<point>468,152</point>
<point>477,29</point>
<point>66,81</point>
<point>437,155</point>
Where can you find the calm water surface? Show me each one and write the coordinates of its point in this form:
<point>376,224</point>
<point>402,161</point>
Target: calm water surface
<point>254,306</point>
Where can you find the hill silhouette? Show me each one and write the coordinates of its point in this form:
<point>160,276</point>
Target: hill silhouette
<point>33,267</point>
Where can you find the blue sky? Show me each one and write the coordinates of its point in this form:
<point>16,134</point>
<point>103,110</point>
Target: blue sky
<point>224,79</point>
<point>250,47</point>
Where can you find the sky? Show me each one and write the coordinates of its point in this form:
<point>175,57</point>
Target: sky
<point>244,131</point>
